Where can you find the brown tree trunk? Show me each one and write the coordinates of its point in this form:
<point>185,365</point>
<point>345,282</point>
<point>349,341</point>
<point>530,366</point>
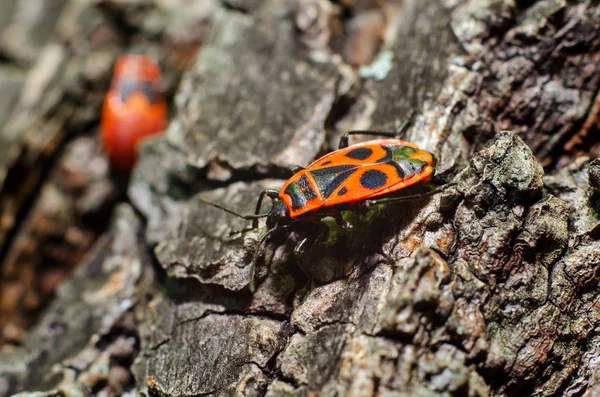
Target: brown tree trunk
<point>490,288</point>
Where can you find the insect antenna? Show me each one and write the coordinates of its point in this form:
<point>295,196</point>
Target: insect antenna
<point>247,217</point>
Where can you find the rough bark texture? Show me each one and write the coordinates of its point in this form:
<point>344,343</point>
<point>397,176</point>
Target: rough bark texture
<point>492,286</point>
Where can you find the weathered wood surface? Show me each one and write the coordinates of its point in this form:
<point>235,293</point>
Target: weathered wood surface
<point>493,289</point>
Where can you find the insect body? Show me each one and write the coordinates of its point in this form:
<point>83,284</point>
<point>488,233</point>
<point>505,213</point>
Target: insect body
<point>348,178</point>
<point>134,109</point>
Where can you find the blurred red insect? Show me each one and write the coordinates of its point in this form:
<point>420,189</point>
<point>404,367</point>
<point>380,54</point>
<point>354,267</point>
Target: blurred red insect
<point>134,109</point>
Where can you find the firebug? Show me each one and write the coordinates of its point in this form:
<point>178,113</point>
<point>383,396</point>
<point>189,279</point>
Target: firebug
<point>349,178</point>
<point>134,109</point>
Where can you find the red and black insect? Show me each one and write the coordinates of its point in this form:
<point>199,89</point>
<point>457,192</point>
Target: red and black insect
<point>134,109</point>
<point>349,178</point>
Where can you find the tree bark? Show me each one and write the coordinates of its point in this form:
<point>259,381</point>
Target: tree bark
<point>489,288</point>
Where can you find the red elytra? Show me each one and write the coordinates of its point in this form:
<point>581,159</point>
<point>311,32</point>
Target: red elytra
<point>351,177</point>
<point>134,109</point>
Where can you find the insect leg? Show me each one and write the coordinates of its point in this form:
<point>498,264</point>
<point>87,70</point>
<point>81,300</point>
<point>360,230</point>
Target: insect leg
<point>299,250</point>
<point>369,203</point>
<point>458,106</point>
<point>347,226</point>
<point>344,139</point>
<point>387,258</point>
<point>259,248</point>
<point>271,193</point>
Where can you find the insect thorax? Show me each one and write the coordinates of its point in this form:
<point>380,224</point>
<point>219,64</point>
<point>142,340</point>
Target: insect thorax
<point>301,192</point>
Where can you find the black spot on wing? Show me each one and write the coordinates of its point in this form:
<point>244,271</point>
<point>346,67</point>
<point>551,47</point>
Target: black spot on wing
<point>327,162</point>
<point>307,191</point>
<point>310,194</point>
<point>330,178</point>
<point>337,181</point>
<point>342,191</point>
<point>373,179</point>
<point>362,153</point>
<point>303,182</point>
